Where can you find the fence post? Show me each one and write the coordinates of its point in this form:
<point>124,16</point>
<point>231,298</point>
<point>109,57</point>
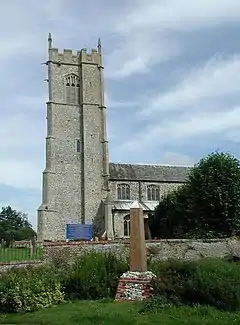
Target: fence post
<point>34,243</point>
<point>31,247</point>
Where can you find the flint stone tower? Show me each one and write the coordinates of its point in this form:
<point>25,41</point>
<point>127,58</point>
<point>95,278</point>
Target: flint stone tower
<point>75,179</point>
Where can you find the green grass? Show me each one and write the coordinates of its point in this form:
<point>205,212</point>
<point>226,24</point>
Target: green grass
<point>18,254</point>
<point>109,313</point>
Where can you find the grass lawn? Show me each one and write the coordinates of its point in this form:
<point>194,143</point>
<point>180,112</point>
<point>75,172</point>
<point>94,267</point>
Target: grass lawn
<point>18,254</point>
<point>110,313</point>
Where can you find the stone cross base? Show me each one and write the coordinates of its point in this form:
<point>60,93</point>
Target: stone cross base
<point>134,286</point>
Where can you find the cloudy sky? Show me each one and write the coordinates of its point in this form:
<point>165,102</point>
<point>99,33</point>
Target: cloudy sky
<point>172,70</point>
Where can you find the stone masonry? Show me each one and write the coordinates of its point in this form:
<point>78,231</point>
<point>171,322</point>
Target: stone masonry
<point>76,154</point>
<point>79,183</point>
<point>159,250</point>
<point>134,286</point>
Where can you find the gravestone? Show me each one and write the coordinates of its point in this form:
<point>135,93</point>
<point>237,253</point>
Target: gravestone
<point>135,284</point>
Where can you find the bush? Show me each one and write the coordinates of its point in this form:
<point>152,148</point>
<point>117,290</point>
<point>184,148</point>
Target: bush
<point>93,276</point>
<point>214,283</point>
<point>29,289</point>
<point>154,304</point>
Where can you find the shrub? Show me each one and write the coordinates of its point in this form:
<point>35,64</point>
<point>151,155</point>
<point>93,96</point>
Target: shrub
<point>219,284</point>
<point>29,289</point>
<point>93,276</point>
<point>207,282</point>
<point>154,304</point>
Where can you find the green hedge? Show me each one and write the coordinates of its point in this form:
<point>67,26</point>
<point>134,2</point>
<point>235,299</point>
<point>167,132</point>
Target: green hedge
<point>207,282</point>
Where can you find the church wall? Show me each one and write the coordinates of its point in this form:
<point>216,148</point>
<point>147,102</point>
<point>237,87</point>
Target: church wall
<point>48,226</point>
<point>78,187</point>
<point>118,223</point>
<point>64,128</point>
<point>165,188</point>
<point>57,77</point>
<point>93,162</point>
<point>93,135</point>
<point>134,190</point>
<point>138,192</point>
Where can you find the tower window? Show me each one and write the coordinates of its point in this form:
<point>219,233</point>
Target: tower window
<point>153,193</point>
<point>126,226</point>
<point>72,89</point>
<point>78,145</point>
<point>123,192</point>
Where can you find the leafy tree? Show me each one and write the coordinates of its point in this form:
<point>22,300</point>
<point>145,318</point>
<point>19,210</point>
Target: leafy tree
<point>14,225</point>
<point>208,205</point>
<point>169,220</point>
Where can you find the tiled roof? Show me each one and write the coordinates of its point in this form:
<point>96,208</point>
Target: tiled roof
<point>158,173</point>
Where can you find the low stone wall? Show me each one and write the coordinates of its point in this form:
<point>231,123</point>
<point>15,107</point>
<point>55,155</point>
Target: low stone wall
<point>62,252</point>
<point>161,250</point>
<point>183,249</point>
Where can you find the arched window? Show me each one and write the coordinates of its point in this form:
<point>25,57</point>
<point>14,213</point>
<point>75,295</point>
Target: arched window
<point>153,193</point>
<point>123,192</point>
<point>72,89</point>
<point>126,226</point>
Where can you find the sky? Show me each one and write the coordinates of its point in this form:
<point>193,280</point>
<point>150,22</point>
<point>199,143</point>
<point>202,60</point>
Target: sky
<point>172,74</point>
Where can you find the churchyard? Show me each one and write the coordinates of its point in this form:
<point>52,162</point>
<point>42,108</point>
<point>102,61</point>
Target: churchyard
<point>106,283</point>
<point>23,253</point>
<point>192,278</point>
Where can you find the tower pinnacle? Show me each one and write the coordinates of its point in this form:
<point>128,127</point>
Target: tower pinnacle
<point>99,45</point>
<point>49,40</point>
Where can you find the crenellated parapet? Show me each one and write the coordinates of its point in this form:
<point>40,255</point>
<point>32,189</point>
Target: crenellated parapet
<point>74,58</point>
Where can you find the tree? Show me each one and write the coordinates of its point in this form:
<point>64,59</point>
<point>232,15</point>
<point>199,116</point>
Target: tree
<point>14,226</point>
<point>207,206</point>
<point>169,219</point>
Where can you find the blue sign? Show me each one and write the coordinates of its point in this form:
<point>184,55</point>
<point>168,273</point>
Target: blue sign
<point>78,231</point>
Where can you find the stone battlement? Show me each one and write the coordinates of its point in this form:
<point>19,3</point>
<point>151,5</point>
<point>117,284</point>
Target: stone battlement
<point>69,57</point>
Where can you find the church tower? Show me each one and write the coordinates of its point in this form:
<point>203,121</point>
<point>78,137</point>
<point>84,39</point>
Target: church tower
<point>75,179</point>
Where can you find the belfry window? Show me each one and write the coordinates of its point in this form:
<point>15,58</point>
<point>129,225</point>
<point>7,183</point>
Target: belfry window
<point>126,226</point>
<point>123,192</point>
<point>72,89</point>
<point>153,193</point>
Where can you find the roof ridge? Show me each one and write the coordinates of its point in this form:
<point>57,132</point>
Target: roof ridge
<point>157,165</point>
